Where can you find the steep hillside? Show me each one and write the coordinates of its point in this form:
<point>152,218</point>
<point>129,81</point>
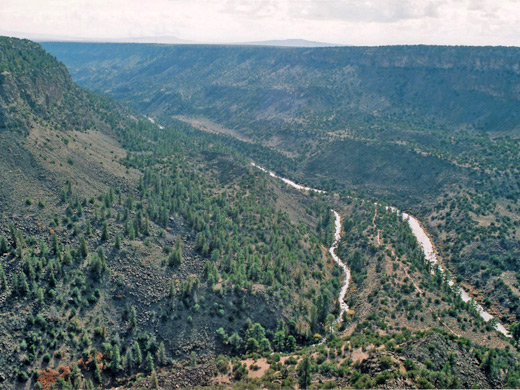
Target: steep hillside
<point>124,245</point>
<point>52,131</point>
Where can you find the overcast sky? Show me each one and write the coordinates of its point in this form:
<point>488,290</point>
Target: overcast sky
<point>351,22</point>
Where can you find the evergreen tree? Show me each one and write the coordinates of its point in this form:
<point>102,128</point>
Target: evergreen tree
<point>3,279</point>
<point>265,345</point>
<point>54,244</point>
<point>175,258</point>
<point>146,228</point>
<point>83,248</point>
<point>117,243</point>
<point>23,286</point>
<point>171,292</point>
<point>304,373</point>
<point>104,232</point>
<point>52,279</point>
<point>12,231</point>
<point>88,230</point>
<point>279,341</point>
<point>97,372</point>
<point>3,245</point>
<point>132,317</point>
<point>138,356</point>
<point>75,376</point>
<point>291,344</point>
<point>154,382</point>
<point>129,359</point>
<point>149,364</point>
<point>162,354</point>
<point>116,365</point>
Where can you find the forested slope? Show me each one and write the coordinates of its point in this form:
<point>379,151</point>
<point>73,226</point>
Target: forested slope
<point>124,245</point>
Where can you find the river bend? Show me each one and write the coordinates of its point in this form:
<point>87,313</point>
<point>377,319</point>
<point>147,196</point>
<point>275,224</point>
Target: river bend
<point>422,238</point>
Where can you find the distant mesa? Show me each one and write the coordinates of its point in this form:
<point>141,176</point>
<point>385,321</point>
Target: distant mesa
<point>169,40</point>
<point>289,43</point>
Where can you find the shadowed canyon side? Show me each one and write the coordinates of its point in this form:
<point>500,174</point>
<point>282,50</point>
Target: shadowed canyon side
<point>436,109</point>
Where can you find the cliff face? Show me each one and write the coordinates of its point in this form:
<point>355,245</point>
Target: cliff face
<point>46,124</point>
<point>32,84</point>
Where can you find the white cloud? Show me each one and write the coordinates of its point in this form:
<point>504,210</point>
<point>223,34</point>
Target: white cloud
<point>358,22</point>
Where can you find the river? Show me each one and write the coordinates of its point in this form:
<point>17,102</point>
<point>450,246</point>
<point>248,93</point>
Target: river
<point>346,270</point>
<point>422,238</point>
<point>332,249</point>
<point>429,253</point>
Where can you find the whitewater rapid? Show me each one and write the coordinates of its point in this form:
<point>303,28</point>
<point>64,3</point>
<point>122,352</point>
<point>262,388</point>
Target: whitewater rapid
<point>421,237</point>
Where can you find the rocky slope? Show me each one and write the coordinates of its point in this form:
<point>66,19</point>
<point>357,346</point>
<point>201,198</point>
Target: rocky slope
<point>125,245</point>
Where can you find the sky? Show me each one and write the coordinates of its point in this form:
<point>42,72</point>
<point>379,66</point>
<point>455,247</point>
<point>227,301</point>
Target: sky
<point>346,22</point>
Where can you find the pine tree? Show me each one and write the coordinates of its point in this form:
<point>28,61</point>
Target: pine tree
<point>129,359</point>
<point>3,245</point>
<point>75,376</point>
<point>162,354</point>
<point>83,248</point>
<point>146,228</point>
<point>171,292</point>
<point>3,279</point>
<point>97,373</point>
<point>104,232</point>
<point>52,279</point>
<point>133,317</point>
<point>54,244</point>
<point>39,295</point>
<point>175,258</point>
<point>291,343</point>
<point>154,382</point>
<point>12,231</point>
<point>23,286</point>
<point>304,372</point>
<point>149,364</point>
<point>117,244</point>
<point>138,356</point>
<point>116,365</point>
